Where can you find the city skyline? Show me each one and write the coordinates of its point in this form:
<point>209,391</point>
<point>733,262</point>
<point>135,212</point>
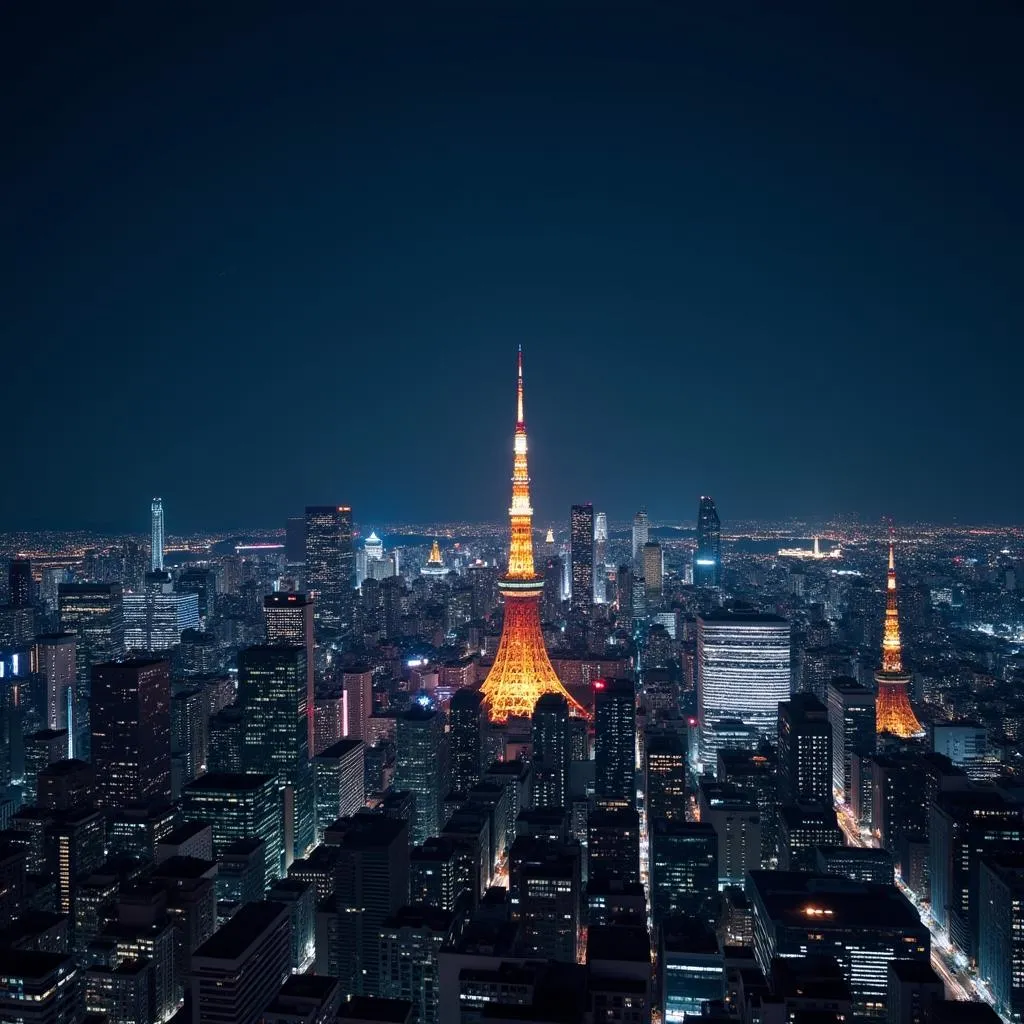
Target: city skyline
<point>724,267</point>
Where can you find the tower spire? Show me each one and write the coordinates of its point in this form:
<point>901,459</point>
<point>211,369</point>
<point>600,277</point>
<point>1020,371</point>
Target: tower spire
<point>520,423</point>
<point>893,711</point>
<point>522,670</point>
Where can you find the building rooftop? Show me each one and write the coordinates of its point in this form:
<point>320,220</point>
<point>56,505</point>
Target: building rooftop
<point>184,832</point>
<point>914,972</point>
<point>681,933</point>
<point>28,963</point>
<point>618,942</point>
<point>227,782</point>
<point>794,898</point>
<point>244,847</point>
<point>234,937</point>
<point>338,750</point>
<point>374,1009</point>
<point>185,867</point>
<point>317,987</point>
<point>418,916</point>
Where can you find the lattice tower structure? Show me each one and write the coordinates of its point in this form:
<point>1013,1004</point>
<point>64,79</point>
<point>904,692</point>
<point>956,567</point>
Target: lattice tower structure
<point>894,715</point>
<point>522,671</point>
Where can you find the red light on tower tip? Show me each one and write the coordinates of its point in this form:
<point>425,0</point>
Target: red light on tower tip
<point>599,684</point>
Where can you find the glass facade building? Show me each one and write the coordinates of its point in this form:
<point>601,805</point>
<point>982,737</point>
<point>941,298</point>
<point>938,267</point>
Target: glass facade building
<point>743,673</point>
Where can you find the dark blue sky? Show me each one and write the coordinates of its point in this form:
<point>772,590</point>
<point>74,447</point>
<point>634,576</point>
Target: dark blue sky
<point>261,256</point>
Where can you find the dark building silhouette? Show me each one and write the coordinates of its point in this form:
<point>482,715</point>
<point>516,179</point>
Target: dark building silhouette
<point>581,555</point>
<point>272,695</point>
<point>615,741</point>
<point>465,719</point>
<point>19,583</point>
<point>805,751</point>
<point>130,718</point>
<point>551,751</point>
<point>331,565</point>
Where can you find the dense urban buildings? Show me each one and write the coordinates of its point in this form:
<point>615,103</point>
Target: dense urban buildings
<point>379,794</point>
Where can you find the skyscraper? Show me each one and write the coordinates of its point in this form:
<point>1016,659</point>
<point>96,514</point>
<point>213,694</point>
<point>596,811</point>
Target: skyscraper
<point>851,711</point>
<point>275,714</point>
<point>19,580</point>
<point>893,711</point>
<point>600,557</point>
<point>653,570</point>
<point>615,741</point>
<point>581,553</point>
<point>420,768</point>
<point>743,672</point>
<point>239,806</point>
<point>356,701</point>
<point>805,751</point>
<point>339,782</point>
<point>640,538</point>
<point>130,721</point>
<point>94,613</point>
<point>522,670</point>
<point>156,535</point>
<point>551,751</point>
<point>55,662</point>
<point>289,620</point>
<point>707,558</point>
<point>466,710</point>
<point>331,565</point>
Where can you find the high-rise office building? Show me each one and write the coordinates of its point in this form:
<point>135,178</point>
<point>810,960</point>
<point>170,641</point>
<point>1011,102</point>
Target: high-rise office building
<point>641,535</point>
<point>236,973</point>
<point>289,620</point>
<point>684,869</point>
<point>372,883</point>
<point>94,613</point>
<point>805,751</point>
<point>707,557</point>
<point>273,698</point>
<point>615,741</point>
<point>613,844</point>
<point>652,559</point>
<point>863,927</point>
<point>295,540</point>
<point>340,782</point>
<point>965,826</point>
<point>239,806</point>
<point>581,553</point>
<point>331,565</point>
<point>851,711</point>
<point>600,558</point>
<point>522,670</point>
<point>156,535</point>
<point>743,672</point>
<point>55,663</point>
<point>665,764</point>
<point>156,616</point>
<point>41,988</point>
<point>420,768</point>
<point>20,587</point>
<point>734,815</point>
<point>1001,945</point>
<point>545,897</point>
<point>356,701</point>
<point>130,722</point>
<point>465,720</point>
<point>410,942</point>
<point>202,583</point>
<point>551,752</point>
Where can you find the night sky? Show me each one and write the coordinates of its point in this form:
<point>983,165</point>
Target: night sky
<point>259,256</point>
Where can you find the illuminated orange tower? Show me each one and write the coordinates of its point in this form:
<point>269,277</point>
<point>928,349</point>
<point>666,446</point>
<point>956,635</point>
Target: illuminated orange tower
<point>522,670</point>
<point>893,711</point>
